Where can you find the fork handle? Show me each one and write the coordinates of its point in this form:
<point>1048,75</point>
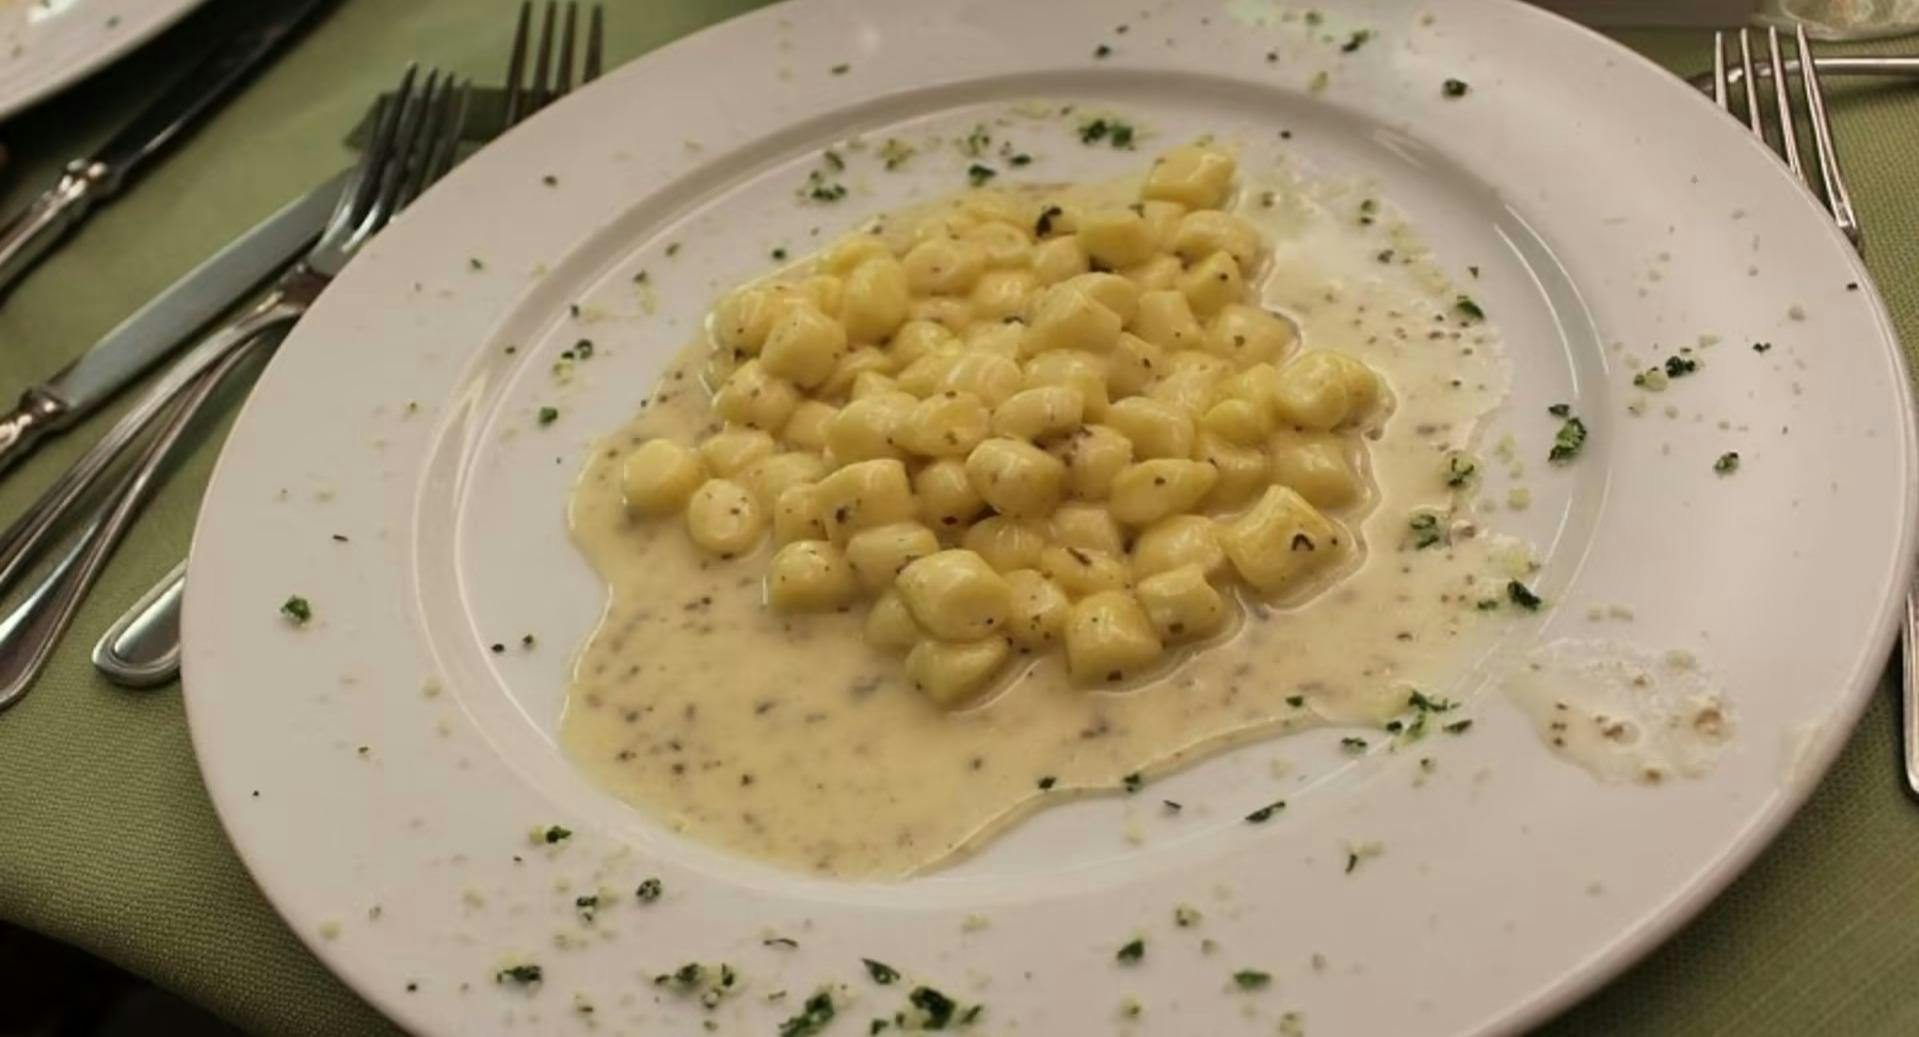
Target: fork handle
<point>23,541</point>
<point>29,633</point>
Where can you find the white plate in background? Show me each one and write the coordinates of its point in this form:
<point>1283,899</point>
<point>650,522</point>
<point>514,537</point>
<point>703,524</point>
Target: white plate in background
<point>47,45</point>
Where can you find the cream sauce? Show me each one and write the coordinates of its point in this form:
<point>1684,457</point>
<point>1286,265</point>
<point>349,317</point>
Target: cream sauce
<point>789,740</point>
<point>1621,713</point>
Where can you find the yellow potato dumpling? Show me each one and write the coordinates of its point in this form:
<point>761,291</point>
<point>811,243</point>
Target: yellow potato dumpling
<point>1198,178</point>
<point>955,596</point>
<point>1067,317</point>
<point>943,267</point>
<point>1162,219</point>
<point>1176,541</point>
<point>724,519</point>
<point>1088,526</point>
<point>1016,478</point>
<point>947,500</point>
<point>989,377</point>
<point>1005,245</point>
<point>877,555</point>
<point>1318,465</point>
<point>1040,412</point>
<point>1000,294</point>
<point>924,377</point>
<point>1081,571</point>
<point>731,451</point>
<point>1158,274</point>
<point>796,515</point>
<point>889,625</point>
<point>1280,540</point>
<point>951,674</point>
<point>1006,544</point>
<point>1001,338</point>
<point>810,576</point>
<point>953,314</point>
<point>804,347</point>
<point>848,252</point>
<point>1084,373</point>
<point>1207,231</point>
<point>918,338</point>
<point>863,495</point>
<point>1148,491</point>
<point>823,291</point>
<point>1321,390</point>
<point>806,426</point>
<point>1249,335</point>
<point>874,301</point>
<point>770,477</point>
<point>1058,259</point>
<point>864,429</point>
<point>1166,320</point>
<point>1133,364</point>
<point>872,383</point>
<point>658,478</point>
<point>1181,605</point>
<point>949,424</point>
<point>1109,639</point>
<point>1211,284</point>
<point>1112,291</point>
<point>1154,428</point>
<point>1187,386</point>
<point>1238,421</point>
<point>1094,456</point>
<point>742,319</point>
<point>1116,237</point>
<point>1040,608</point>
<point>852,372</point>
<point>1244,471</point>
<point>753,397</point>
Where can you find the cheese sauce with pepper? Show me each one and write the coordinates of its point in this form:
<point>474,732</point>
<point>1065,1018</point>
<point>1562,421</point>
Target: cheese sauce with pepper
<point>788,739</point>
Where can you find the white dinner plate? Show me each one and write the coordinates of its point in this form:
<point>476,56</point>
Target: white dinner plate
<point>379,769</point>
<point>46,45</point>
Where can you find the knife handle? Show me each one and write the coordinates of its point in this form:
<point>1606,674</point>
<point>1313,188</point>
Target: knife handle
<point>36,415</point>
<point>29,235</point>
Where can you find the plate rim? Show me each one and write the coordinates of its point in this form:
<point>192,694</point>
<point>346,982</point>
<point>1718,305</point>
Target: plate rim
<point>115,44</point>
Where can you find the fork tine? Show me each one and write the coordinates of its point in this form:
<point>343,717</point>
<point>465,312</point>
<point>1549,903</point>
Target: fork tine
<point>516,67</point>
<point>563,75</point>
<point>405,153</point>
<point>542,64</point>
<point>447,149</point>
<point>1838,198</point>
<point>356,199</point>
<point>1782,100</point>
<point>595,46</point>
<point>1719,92</point>
<point>1753,118</point>
<point>411,175</point>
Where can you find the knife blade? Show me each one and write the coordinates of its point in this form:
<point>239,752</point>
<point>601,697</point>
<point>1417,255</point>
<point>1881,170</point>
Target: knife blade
<point>87,181</point>
<point>165,322</point>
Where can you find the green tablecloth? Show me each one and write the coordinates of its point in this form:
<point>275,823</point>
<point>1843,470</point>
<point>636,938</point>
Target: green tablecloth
<point>107,839</point>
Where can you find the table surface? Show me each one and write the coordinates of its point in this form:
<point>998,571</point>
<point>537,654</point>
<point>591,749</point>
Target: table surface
<point>108,841</point>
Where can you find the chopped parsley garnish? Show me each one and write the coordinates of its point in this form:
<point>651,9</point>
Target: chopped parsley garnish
<point>1425,530</point>
<point>1458,727</point>
<point>1567,441</point>
<point>1353,745</point>
<point>1132,782</point>
<point>1356,40</point>
<point>1460,470</point>
<point>1252,979</point>
<point>1118,134</point>
<point>672,249</point>
<point>938,1007</point>
<point>528,640</point>
<point>1131,952</point>
<point>782,942</point>
<point>1044,225</point>
<point>882,973</point>
<point>972,1012</point>
<point>524,975</point>
<point>1486,604</point>
<point>1680,366</point>
<point>297,609</point>
<point>977,174</point>
<point>1454,88</point>
<point>813,1018</point>
<point>555,834</point>
<point>1468,310</point>
<point>649,890</point>
<point>820,189</point>
<point>1761,347</point>
<point>1261,816</point>
<point>549,415</point>
<point>1523,596</point>
<point>1426,703</point>
<point>686,976</point>
<point>584,347</point>
<point>1368,209</point>
<point>1047,782</point>
<point>587,905</point>
<point>1352,861</point>
<point>1727,464</point>
<point>473,263</point>
<point>977,141</point>
<point>1295,701</point>
<point>1020,158</point>
<point>1560,410</point>
<point>840,69</point>
<point>895,152</point>
<point>1102,51</point>
<point>779,255</point>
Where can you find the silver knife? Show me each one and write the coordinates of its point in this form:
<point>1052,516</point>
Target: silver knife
<point>87,181</point>
<point>161,325</point>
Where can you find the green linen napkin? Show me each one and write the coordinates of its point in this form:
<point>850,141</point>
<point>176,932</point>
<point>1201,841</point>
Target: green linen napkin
<point>107,840</point>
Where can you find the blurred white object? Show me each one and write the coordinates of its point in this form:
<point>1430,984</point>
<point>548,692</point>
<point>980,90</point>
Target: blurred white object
<point>1844,19</point>
<point>1667,14</point>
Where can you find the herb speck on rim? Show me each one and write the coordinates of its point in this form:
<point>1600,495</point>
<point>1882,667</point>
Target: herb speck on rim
<point>1356,40</point>
<point>813,1018</point>
<point>548,415</point>
<point>977,174</point>
<point>1265,813</point>
<point>1568,441</point>
<point>523,975</point>
<point>1353,745</point>
<point>473,263</point>
<point>1727,464</point>
<point>297,610</point>
<point>1132,782</point>
<point>937,1007</point>
<point>1761,347</point>
<point>1131,952</point>
<point>1102,51</point>
<point>1523,596</point>
<point>1252,979</point>
<point>1047,782</point>
<point>779,255</point>
<point>1468,310</point>
<point>550,180</point>
<point>552,834</point>
<point>1458,727</point>
<point>1454,88</point>
<point>883,974</point>
<point>648,891</point>
<point>840,69</point>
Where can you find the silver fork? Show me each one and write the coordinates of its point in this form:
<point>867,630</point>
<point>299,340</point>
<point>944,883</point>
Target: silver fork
<point>1831,189</point>
<point>413,144</point>
<point>142,648</point>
